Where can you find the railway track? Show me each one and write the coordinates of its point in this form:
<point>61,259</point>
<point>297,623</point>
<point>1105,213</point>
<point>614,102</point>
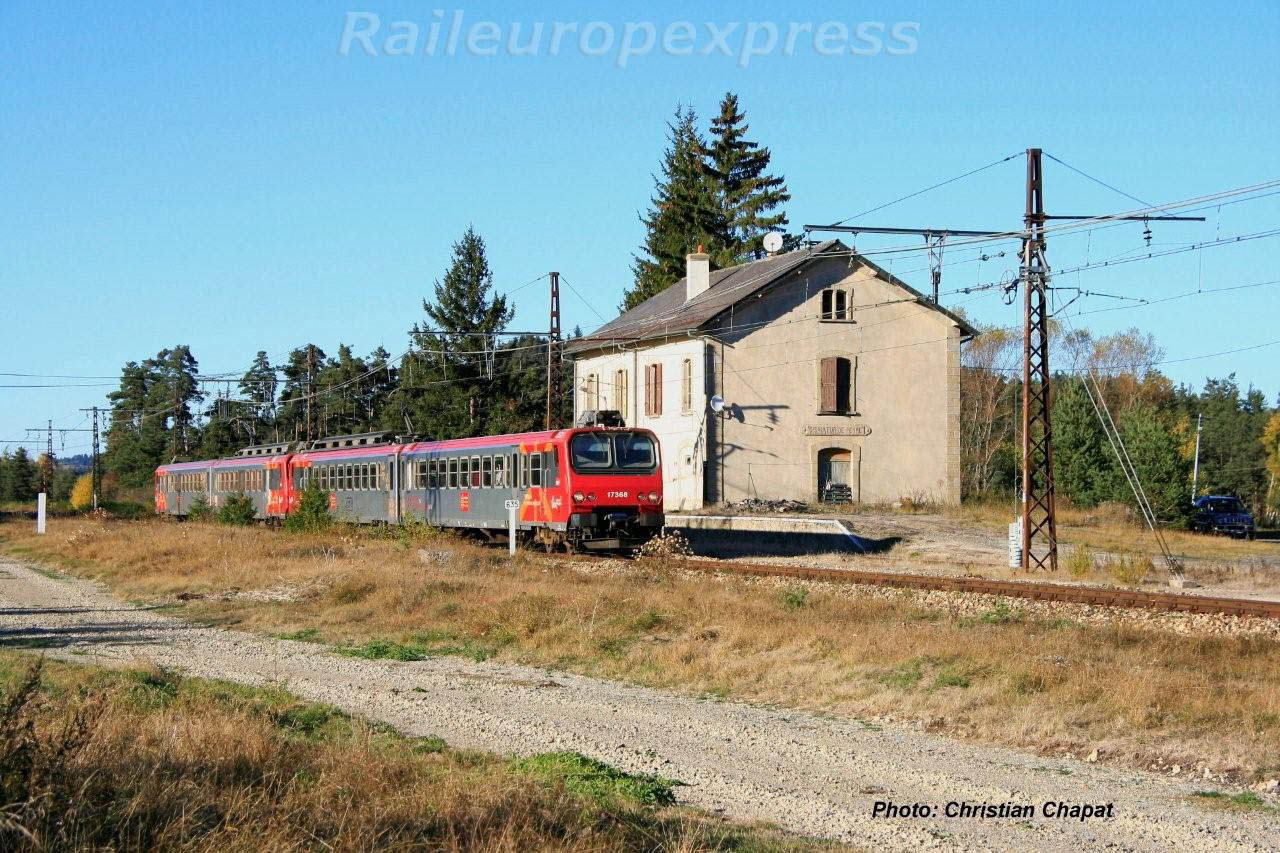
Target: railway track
<point>1167,602</point>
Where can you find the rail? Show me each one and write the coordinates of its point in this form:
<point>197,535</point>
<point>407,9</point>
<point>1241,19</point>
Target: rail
<point>1166,602</point>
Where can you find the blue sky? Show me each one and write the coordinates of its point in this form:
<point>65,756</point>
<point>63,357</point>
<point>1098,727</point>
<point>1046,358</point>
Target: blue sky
<point>222,176</point>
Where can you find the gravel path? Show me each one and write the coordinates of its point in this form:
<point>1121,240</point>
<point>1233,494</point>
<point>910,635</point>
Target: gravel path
<point>810,774</point>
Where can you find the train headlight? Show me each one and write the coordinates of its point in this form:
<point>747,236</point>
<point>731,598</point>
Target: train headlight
<point>591,496</point>
<point>653,497</point>
<point>579,497</point>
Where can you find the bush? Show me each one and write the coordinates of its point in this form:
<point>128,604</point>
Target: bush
<point>237,509</point>
<point>200,509</point>
<point>795,597</point>
<point>1129,569</point>
<point>1080,561</point>
<point>82,492</point>
<point>311,513</point>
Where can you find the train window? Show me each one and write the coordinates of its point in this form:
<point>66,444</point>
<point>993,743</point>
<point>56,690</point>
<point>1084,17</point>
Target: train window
<point>351,478</point>
<point>275,478</point>
<point>634,451</point>
<point>366,479</point>
<point>453,473</point>
<point>499,472</point>
<point>590,450</point>
<point>464,472</point>
<point>535,469</point>
<point>487,466</point>
<point>475,472</point>
<point>551,467</point>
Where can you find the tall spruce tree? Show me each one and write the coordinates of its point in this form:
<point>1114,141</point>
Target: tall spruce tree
<point>1083,467</point>
<point>448,375</point>
<point>291,408</point>
<point>747,193</point>
<point>258,386</point>
<point>135,440</point>
<point>173,395</point>
<point>685,213</point>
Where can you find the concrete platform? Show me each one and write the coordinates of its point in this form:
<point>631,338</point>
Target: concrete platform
<point>771,535</point>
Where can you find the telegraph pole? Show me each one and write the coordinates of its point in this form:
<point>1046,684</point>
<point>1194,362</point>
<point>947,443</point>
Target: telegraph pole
<point>311,378</point>
<point>1195,471</point>
<point>553,356</point>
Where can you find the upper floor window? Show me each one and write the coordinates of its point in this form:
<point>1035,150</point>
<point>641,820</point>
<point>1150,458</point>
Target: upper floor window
<point>835,305</point>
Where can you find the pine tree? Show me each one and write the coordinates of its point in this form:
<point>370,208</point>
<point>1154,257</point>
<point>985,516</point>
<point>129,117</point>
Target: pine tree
<point>1162,468</point>
<point>1083,466</point>
<point>173,394</point>
<point>746,191</point>
<point>685,213</point>
<point>135,439</point>
<point>291,409</point>
<point>22,475</point>
<point>258,385</point>
<point>448,374</point>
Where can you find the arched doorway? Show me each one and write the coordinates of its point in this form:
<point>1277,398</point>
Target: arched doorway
<point>835,483</point>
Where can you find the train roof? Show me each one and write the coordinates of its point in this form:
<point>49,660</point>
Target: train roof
<point>185,466</point>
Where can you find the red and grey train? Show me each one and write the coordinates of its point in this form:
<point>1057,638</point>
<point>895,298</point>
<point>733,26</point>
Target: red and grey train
<point>589,488</point>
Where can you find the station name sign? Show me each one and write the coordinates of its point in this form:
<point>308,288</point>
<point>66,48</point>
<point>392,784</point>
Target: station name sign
<point>833,429</point>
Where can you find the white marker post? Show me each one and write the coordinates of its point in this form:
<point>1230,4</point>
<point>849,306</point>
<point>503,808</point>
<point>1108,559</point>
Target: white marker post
<point>40,501</point>
<point>512,506</point>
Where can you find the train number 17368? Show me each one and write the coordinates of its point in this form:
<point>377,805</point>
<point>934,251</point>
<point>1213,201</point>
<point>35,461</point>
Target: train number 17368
<point>618,494</point>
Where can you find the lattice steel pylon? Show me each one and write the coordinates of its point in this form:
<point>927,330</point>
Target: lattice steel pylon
<point>1039,528</point>
<point>553,356</point>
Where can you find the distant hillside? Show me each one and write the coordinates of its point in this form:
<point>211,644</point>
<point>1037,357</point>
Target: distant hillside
<point>80,463</point>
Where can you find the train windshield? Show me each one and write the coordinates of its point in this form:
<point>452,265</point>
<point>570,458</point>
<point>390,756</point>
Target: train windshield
<point>620,451</point>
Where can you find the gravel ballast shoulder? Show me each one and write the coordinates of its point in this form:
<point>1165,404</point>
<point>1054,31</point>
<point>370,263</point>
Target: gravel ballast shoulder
<point>807,773</point>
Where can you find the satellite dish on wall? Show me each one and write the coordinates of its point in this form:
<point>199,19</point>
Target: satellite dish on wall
<point>772,241</point>
<point>717,403</point>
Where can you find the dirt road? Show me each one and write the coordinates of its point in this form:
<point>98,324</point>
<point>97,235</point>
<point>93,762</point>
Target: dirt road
<point>807,773</point>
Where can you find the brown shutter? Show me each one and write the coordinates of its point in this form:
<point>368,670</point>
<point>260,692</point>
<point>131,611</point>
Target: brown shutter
<point>657,389</point>
<point>827,387</point>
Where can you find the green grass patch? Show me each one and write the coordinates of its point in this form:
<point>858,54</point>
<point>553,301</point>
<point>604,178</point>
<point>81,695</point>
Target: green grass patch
<point>1246,801</point>
<point>904,677</point>
<point>596,780</point>
<point>951,679</point>
<point>419,647</point>
<point>794,597</point>
<point>303,635</point>
<point>649,620</point>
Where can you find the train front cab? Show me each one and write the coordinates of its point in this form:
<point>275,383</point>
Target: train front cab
<point>614,486</point>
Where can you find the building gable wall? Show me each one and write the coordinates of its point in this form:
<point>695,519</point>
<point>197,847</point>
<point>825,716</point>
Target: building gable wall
<point>898,439</point>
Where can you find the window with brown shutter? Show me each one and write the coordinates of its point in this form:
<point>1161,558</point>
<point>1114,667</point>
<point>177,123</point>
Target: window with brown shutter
<point>835,386</point>
<point>653,390</point>
<point>620,391</point>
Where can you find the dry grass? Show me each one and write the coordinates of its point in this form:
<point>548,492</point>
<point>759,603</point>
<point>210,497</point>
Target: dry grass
<point>146,760</point>
<point>1136,695</point>
<point>1115,528</point>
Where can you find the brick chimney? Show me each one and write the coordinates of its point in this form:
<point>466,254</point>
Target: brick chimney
<point>697,274</point>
